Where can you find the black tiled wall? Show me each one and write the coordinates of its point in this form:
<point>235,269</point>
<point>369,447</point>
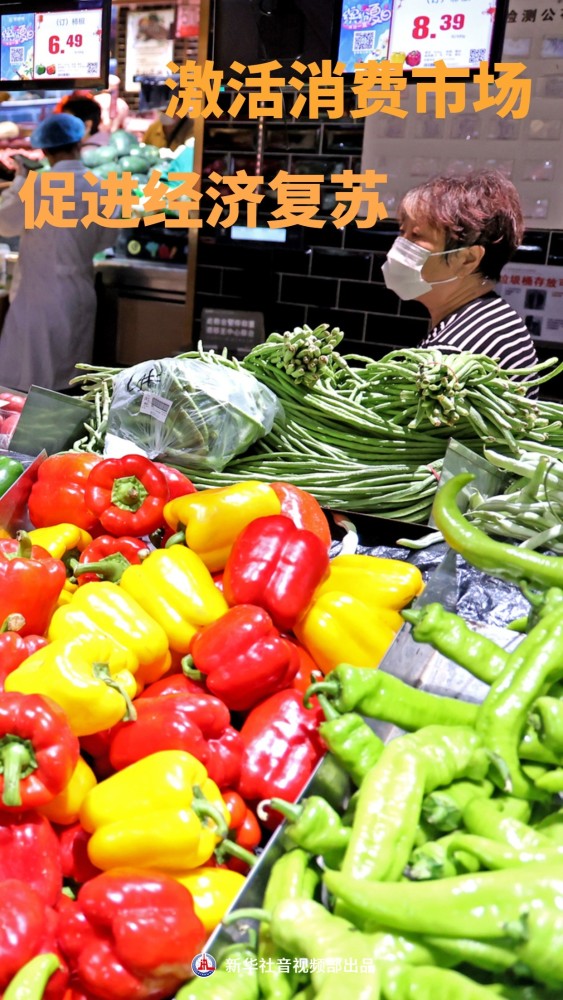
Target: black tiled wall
<point>319,275</point>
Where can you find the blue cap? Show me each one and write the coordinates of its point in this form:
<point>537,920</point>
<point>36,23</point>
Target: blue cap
<point>58,130</point>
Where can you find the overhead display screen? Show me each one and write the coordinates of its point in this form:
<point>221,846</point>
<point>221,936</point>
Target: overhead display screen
<point>53,47</point>
<point>418,33</point>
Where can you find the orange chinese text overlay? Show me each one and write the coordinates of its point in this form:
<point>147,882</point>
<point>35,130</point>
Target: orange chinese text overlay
<point>118,203</point>
<point>311,90</point>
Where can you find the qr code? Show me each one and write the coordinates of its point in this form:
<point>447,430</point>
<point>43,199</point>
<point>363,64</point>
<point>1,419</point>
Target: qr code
<point>364,41</point>
<point>17,54</point>
<point>91,69</point>
<point>477,56</point>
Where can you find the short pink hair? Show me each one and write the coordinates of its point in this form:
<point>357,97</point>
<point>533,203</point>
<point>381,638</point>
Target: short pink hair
<point>481,208</point>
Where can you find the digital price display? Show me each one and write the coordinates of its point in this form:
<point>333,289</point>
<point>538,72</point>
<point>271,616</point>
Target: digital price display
<point>68,44</point>
<point>417,33</point>
<point>53,42</point>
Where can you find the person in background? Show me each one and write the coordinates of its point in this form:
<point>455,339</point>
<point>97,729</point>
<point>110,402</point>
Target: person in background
<point>89,112</point>
<point>115,111</point>
<point>457,233</point>
<point>50,323</point>
<point>168,132</point>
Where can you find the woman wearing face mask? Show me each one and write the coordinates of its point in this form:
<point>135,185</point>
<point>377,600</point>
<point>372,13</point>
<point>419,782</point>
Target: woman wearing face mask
<point>457,233</point>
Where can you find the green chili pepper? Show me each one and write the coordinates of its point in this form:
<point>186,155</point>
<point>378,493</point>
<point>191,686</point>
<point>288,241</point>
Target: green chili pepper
<point>547,716</point>
<point>443,808</point>
<point>552,827</point>
<point>481,954</point>
<point>451,636</point>
<point>430,983</point>
<point>507,805</point>
<point>350,740</point>
<point>30,982</point>
<point>501,719</point>
<point>551,782</point>
<point>316,827</point>
<point>541,952</point>
<point>303,928</point>
<point>495,855</point>
<point>238,981</point>
<point>485,820</point>
<point>10,470</point>
<point>390,798</point>
<point>507,562</point>
<point>480,905</point>
<point>532,749</point>
<point>433,861</point>
<point>380,695</point>
<point>291,878</point>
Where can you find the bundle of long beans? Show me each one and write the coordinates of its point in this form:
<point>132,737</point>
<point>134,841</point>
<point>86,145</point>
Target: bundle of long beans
<point>371,435</point>
<point>531,509</point>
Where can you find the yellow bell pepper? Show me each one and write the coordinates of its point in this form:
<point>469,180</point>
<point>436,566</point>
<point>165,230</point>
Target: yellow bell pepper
<point>213,892</point>
<point>339,627</point>
<point>107,609</point>
<point>152,814</point>
<point>211,520</point>
<point>61,539</point>
<point>85,675</point>
<point>177,590</point>
<point>65,807</point>
<point>388,583</point>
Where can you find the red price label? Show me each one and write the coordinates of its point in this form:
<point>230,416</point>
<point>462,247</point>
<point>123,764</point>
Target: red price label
<point>448,22</point>
<point>72,42</point>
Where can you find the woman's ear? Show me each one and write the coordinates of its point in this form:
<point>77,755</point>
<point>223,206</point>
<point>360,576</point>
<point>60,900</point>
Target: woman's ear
<point>472,259</point>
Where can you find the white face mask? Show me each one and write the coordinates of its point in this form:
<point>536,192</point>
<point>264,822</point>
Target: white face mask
<point>402,269</point>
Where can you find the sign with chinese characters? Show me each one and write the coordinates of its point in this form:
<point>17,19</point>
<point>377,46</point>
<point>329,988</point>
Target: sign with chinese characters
<point>536,292</point>
<point>68,44</point>
<point>150,44</point>
<point>61,45</point>
<point>411,34</point>
<point>234,329</point>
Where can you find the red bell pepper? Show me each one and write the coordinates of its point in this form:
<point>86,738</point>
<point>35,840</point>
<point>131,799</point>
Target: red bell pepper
<point>244,829</point>
<point>303,679</point>
<point>282,747</point>
<point>132,549</point>
<point>175,683</point>
<point>57,496</point>
<point>30,583</point>
<point>73,843</point>
<point>127,495</point>
<point>96,748</point>
<point>304,510</point>
<point>224,758</point>
<point>209,713</point>
<point>161,724</point>
<point>131,935</point>
<point>29,850</point>
<point>243,657</point>
<point>15,648</point>
<point>277,566</point>
<point>178,484</point>
<point>38,750</point>
<point>28,927</point>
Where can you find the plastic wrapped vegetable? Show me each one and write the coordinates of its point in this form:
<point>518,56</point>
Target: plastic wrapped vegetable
<point>190,412</point>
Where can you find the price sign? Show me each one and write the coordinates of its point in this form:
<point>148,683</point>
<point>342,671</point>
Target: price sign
<point>457,33</point>
<point>68,44</point>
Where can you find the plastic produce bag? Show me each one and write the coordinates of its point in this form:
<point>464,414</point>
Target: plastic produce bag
<point>188,412</point>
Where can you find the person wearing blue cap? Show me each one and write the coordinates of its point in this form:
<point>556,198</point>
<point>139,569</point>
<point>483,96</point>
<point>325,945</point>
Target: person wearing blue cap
<point>49,326</point>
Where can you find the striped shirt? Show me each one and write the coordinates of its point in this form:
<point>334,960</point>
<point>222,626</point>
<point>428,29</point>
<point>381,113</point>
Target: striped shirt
<point>487,325</point>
